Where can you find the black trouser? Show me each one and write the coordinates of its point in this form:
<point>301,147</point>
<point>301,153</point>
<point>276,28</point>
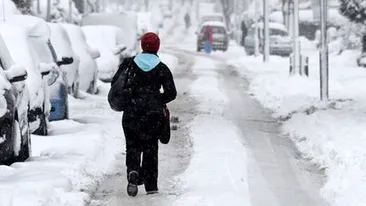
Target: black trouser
<point>148,169</point>
<point>141,133</point>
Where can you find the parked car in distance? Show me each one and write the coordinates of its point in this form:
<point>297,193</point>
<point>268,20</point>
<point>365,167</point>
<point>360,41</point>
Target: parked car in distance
<point>39,34</point>
<point>220,36</point>
<point>88,68</point>
<point>63,48</point>
<point>109,40</point>
<point>15,139</point>
<point>24,55</point>
<point>280,41</point>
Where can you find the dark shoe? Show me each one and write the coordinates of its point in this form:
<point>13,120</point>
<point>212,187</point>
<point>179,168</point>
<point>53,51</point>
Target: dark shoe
<point>132,188</point>
<point>152,192</point>
<point>140,182</point>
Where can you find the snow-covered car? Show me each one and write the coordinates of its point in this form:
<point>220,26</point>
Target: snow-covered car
<point>111,45</point>
<point>39,40</point>
<point>279,39</point>
<point>16,40</point>
<point>14,106</point>
<point>88,68</point>
<point>220,36</point>
<point>63,48</point>
<point>126,21</point>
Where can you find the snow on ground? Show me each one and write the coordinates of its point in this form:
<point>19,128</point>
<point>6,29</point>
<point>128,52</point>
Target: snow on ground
<point>217,174</point>
<point>330,134</point>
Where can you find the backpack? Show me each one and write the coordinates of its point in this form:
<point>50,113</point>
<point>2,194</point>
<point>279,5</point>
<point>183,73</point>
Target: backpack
<point>120,94</point>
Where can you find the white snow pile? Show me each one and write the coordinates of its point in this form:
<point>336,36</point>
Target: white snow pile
<point>217,174</point>
<point>65,166</point>
<point>170,60</point>
<point>330,134</point>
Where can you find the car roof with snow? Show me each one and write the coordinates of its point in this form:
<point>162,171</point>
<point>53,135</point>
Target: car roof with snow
<point>36,27</point>
<point>272,25</point>
<point>112,35</point>
<point>214,23</point>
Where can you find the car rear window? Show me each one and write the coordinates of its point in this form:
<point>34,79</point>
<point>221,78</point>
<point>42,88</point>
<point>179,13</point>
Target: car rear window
<point>215,29</point>
<point>277,32</point>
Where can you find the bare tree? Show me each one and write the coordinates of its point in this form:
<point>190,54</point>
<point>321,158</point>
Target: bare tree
<point>228,9</point>
<point>25,6</point>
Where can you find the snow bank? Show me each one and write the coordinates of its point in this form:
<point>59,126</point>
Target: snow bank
<point>64,167</point>
<point>217,174</point>
<point>330,134</point>
<point>170,60</point>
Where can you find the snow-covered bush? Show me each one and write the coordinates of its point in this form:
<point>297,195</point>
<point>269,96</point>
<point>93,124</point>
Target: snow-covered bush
<point>59,11</point>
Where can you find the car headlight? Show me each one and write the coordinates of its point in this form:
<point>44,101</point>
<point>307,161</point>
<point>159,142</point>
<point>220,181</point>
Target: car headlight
<point>52,77</point>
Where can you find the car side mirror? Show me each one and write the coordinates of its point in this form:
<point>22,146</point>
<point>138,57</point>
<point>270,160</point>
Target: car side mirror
<point>45,69</point>
<point>65,61</point>
<point>94,53</point>
<point>119,49</point>
<point>16,74</point>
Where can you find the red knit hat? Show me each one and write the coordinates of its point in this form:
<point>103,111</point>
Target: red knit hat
<point>150,42</point>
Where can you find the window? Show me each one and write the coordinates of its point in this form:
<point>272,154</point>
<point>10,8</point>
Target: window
<point>277,32</point>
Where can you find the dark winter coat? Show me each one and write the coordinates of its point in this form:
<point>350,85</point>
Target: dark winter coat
<point>145,113</point>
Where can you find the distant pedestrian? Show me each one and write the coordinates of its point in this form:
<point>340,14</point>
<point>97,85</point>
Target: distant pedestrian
<point>208,39</point>
<point>187,19</point>
<point>244,33</point>
<point>145,111</point>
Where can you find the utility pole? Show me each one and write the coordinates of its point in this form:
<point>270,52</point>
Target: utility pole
<point>38,7</point>
<point>266,31</point>
<point>86,9</point>
<point>70,11</point>
<point>48,10</point>
<point>295,38</point>
<point>324,67</point>
<point>256,32</point>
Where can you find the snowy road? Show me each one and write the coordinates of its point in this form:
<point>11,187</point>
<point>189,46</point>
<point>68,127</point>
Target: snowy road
<point>269,170</point>
<point>277,174</point>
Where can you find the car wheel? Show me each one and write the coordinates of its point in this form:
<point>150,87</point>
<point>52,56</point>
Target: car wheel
<point>199,49</point>
<point>17,138</point>
<point>91,89</point>
<point>25,145</point>
<point>43,128</point>
<point>66,110</point>
<point>75,89</point>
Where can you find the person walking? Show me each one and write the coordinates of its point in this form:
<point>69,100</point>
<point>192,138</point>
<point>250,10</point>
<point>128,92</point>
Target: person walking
<point>244,33</point>
<point>208,39</point>
<point>187,19</point>
<point>143,117</point>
